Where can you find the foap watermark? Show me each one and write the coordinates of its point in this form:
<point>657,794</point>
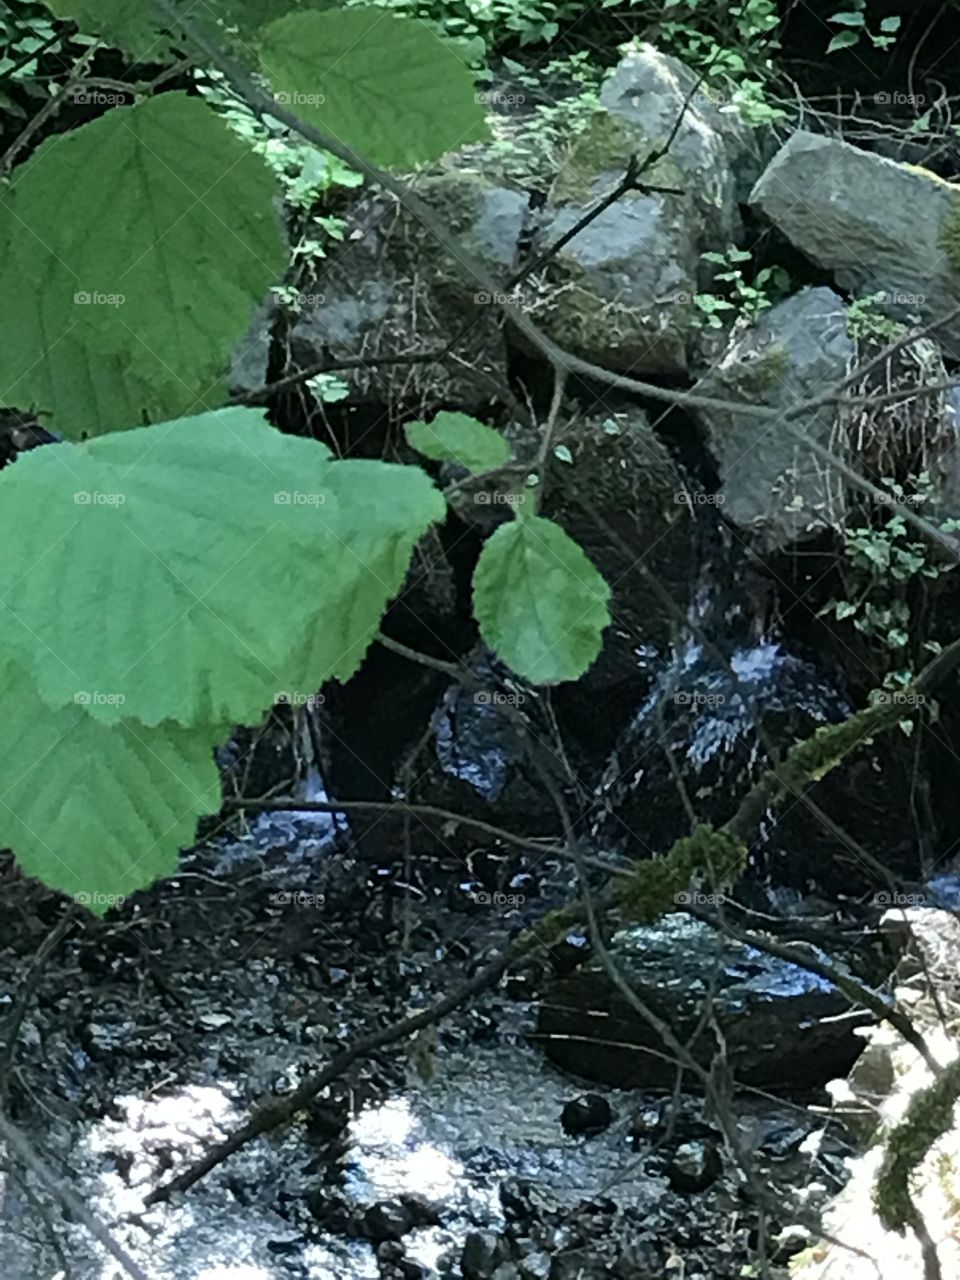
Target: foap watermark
<point>694,898</point>
<point>898,499</point>
<point>294,498</point>
<point>86,498</point>
<point>496,698</point>
<point>96,698</point>
<point>484,899</point>
<point>297,898</point>
<point>485,299</point>
<point>294,698</point>
<point>891,898</point>
<point>297,99</point>
<point>898,99</point>
<point>900,698</point>
<point>494,98</point>
<point>684,498</point>
<point>99,98</point>
<point>95,298</point>
<point>694,698</point>
<point>101,900</point>
<point>486,498</point>
<point>899,298</point>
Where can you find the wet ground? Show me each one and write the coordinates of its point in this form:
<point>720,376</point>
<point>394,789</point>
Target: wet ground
<point>151,1034</point>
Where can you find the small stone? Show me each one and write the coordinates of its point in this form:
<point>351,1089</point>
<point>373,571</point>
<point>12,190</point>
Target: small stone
<point>479,1258</point>
<point>388,1220</point>
<point>536,1266</point>
<point>695,1165</point>
<point>588,1115</point>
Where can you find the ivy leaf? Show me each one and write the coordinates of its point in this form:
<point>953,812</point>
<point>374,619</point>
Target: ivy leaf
<point>849,19</point>
<point>152,274</point>
<point>98,811</point>
<point>193,570</point>
<point>456,437</point>
<point>384,85</point>
<point>540,603</point>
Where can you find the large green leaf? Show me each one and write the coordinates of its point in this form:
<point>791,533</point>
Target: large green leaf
<point>142,30</point>
<point>148,275</point>
<point>386,86</point>
<point>93,810</point>
<point>193,570</point>
<point>456,437</point>
<point>540,603</point>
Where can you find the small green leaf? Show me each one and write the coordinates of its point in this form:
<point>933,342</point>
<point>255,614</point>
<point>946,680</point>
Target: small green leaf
<point>849,19</point>
<point>843,41</point>
<point>456,437</point>
<point>845,609</point>
<point>386,86</point>
<point>891,24</point>
<point>540,603</point>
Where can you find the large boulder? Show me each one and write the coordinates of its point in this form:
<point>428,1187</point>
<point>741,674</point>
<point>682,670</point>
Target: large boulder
<point>770,486</point>
<point>621,291</point>
<point>874,224</point>
<point>784,1027</point>
<point>390,290</point>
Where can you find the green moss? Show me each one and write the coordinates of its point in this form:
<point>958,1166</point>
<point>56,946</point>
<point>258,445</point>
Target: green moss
<point>949,238</point>
<point>755,378</point>
<point>651,889</point>
<point>605,149</point>
<point>928,1117</point>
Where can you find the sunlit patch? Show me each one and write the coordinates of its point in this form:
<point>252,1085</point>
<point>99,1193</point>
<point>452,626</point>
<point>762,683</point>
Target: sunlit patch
<point>389,1156</point>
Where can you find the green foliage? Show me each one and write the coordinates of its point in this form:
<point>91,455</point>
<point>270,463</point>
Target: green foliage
<point>746,300</point>
<point>867,319</point>
<point>455,437</point>
<point>162,584</point>
<point>541,605</point>
<point>24,31</point>
<point>141,29</point>
<point>141,290</point>
<point>479,27</point>
<point>246,562</point>
<point>880,561</point>
<point>383,84</point>
<point>853,21</point>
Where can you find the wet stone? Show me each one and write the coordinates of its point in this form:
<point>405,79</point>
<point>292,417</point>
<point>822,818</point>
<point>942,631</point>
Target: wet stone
<point>388,1221</point>
<point>480,1253</point>
<point>694,1166</point>
<point>587,1115</point>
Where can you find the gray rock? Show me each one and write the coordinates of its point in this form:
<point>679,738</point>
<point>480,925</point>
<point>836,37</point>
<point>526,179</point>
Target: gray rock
<point>389,289</point>
<point>783,1026</point>
<point>876,225</point>
<point>621,292</point>
<point>648,91</point>
<point>248,368</point>
<point>769,484</point>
